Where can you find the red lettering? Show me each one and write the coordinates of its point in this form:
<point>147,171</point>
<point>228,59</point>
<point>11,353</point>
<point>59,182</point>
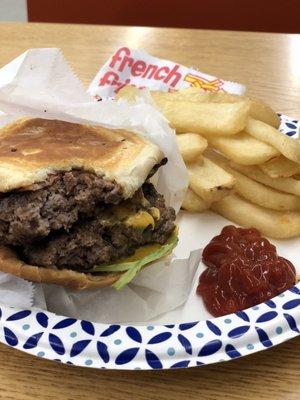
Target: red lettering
<point>173,74</point>
<point>138,68</point>
<point>109,78</point>
<point>158,75</point>
<point>126,60</point>
<point>121,85</point>
<point>150,71</point>
<point>118,57</point>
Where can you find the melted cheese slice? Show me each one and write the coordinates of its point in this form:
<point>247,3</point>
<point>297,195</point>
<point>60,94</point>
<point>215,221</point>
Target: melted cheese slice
<point>140,220</point>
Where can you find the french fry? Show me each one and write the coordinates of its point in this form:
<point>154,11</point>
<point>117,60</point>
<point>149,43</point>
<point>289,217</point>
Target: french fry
<point>205,118</point>
<point>191,146</point>
<point>265,196</point>
<point>287,146</point>
<point>288,185</point>
<point>193,203</point>
<point>243,148</point>
<point>195,95</point>
<point>280,167</point>
<point>198,117</point>
<point>209,181</point>
<point>258,109</point>
<point>276,224</point>
<point>257,192</point>
<point>261,111</point>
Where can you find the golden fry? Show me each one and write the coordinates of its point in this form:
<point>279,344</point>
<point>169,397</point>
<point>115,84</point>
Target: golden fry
<point>243,148</point>
<point>204,118</point>
<point>191,146</point>
<point>258,109</point>
<point>280,167</point>
<point>288,185</point>
<point>257,192</point>
<point>209,181</point>
<point>261,111</point>
<point>287,146</point>
<point>276,224</point>
<point>193,203</point>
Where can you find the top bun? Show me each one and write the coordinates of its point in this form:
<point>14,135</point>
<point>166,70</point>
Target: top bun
<point>30,149</point>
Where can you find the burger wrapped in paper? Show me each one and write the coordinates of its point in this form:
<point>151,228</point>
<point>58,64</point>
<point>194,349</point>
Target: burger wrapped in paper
<point>76,205</point>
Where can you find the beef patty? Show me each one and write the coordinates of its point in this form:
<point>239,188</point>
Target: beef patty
<point>57,203</point>
<point>103,238</point>
<point>70,220</point>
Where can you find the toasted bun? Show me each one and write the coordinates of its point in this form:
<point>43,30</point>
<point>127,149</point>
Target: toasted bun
<point>30,149</point>
<point>11,264</point>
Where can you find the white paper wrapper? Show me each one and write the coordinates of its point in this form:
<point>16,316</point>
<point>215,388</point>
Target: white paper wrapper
<point>154,292</point>
<point>40,83</point>
<point>15,291</point>
<point>135,67</point>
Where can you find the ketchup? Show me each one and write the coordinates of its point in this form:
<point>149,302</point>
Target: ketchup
<point>243,270</point>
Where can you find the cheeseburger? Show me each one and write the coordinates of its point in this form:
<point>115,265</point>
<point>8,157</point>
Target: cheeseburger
<point>76,205</point>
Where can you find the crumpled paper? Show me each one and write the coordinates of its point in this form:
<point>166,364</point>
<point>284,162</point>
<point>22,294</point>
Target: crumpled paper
<point>155,291</point>
<point>15,291</point>
<point>39,83</point>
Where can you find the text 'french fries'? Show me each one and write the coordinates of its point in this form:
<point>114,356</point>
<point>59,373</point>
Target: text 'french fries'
<point>287,146</point>
<point>194,203</point>
<point>276,224</point>
<point>243,148</point>
<point>191,146</point>
<point>280,167</point>
<point>209,181</point>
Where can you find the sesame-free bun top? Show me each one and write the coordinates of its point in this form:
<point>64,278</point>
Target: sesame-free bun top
<point>30,149</point>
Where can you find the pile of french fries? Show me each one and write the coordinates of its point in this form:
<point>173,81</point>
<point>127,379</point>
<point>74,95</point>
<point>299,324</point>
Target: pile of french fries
<point>239,164</point>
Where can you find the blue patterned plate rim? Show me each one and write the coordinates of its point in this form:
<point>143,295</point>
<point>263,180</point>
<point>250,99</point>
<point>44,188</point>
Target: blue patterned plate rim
<point>113,346</point>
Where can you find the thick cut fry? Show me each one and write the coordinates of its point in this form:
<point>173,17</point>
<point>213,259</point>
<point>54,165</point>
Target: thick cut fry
<point>256,192</point>
<point>265,196</point>
<point>258,109</point>
<point>243,148</point>
<point>280,167</point>
<point>287,146</point>
<point>276,224</point>
<point>205,118</point>
<point>288,185</point>
<point>196,95</point>
<point>191,146</point>
<point>193,203</point>
<point>209,181</point>
<point>261,111</point>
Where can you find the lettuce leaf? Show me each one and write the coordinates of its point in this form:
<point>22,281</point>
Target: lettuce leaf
<point>131,268</point>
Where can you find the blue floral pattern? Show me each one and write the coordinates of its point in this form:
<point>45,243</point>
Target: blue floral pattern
<point>90,344</point>
<point>289,126</point>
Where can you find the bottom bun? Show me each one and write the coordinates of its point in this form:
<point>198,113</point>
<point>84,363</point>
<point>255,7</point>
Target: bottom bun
<point>11,264</point>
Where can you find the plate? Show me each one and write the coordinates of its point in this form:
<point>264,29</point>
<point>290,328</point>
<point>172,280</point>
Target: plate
<point>157,346</point>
